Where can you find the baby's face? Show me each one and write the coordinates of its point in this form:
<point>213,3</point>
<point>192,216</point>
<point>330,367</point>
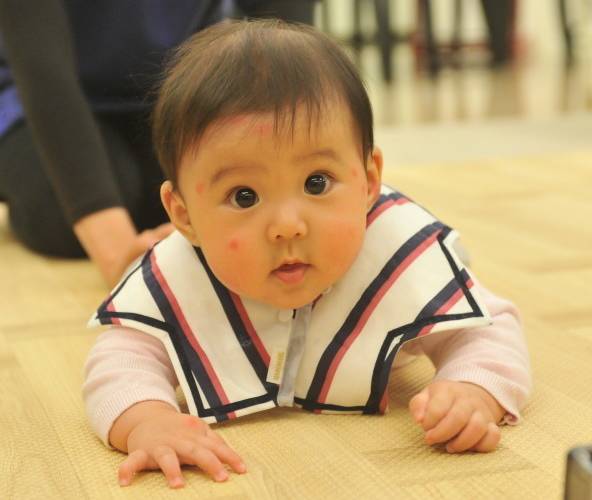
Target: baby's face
<point>279,217</point>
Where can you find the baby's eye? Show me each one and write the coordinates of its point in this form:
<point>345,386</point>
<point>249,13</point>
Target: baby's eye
<point>317,183</point>
<point>243,197</point>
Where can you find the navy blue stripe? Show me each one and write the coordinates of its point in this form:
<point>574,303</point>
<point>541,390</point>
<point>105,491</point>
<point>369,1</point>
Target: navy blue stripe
<point>363,302</point>
<point>440,299</point>
<point>239,405</point>
<point>461,276</point>
<point>181,343</point>
<point>222,410</point>
<point>382,366</point>
<point>103,307</point>
<point>238,327</point>
<point>314,405</point>
<point>181,346</point>
<point>106,318</point>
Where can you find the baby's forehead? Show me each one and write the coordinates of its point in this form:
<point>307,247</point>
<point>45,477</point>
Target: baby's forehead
<point>282,124</point>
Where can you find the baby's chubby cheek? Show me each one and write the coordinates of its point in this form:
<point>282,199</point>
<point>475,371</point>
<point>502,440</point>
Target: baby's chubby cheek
<point>342,243</point>
<point>233,244</point>
<point>232,262</point>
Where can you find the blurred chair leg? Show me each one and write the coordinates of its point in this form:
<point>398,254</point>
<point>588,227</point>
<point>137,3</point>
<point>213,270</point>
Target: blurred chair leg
<point>430,42</point>
<point>382,11</point>
<point>567,33</point>
<point>457,32</point>
<point>498,18</point>
<point>357,37</point>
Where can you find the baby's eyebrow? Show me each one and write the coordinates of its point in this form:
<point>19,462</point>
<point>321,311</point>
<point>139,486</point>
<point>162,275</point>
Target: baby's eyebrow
<point>319,153</point>
<point>232,169</point>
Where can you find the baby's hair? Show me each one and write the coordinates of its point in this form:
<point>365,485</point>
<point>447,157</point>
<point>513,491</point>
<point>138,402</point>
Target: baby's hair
<point>243,67</point>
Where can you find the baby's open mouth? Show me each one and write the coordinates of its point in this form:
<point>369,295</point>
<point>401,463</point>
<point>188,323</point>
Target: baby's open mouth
<point>291,273</point>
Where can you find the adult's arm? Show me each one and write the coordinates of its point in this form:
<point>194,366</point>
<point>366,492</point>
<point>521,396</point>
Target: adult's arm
<point>40,52</point>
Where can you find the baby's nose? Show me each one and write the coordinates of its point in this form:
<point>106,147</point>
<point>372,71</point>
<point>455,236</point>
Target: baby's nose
<point>287,224</point>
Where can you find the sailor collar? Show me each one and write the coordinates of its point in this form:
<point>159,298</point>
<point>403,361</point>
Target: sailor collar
<point>234,356</point>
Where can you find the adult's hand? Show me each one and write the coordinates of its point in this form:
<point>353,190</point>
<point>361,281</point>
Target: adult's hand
<point>140,244</point>
<point>112,242</point>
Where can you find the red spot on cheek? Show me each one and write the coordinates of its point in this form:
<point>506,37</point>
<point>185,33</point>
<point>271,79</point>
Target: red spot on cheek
<point>354,172</point>
<point>233,244</point>
<point>199,188</point>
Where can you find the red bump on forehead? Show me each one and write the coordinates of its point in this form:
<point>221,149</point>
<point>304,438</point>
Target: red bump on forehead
<point>263,128</point>
<point>257,124</point>
<point>237,120</point>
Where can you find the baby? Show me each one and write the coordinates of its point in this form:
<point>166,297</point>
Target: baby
<point>294,276</point>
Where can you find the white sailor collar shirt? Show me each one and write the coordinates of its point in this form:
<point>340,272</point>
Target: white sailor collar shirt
<point>234,356</point>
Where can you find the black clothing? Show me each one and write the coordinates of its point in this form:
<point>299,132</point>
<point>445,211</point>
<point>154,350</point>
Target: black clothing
<point>35,213</point>
<point>85,145</point>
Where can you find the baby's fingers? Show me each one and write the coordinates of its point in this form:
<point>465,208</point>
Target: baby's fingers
<point>474,431</point>
<point>417,405</point>
<point>205,459</point>
<point>490,441</point>
<point>164,457</point>
<point>452,423</point>
<point>227,455</point>
<point>136,461</point>
<point>167,460</point>
<point>437,406</point>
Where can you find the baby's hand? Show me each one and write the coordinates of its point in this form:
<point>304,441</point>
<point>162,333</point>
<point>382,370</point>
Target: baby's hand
<point>460,414</point>
<point>169,439</point>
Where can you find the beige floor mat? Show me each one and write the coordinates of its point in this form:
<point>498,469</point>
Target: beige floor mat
<point>528,226</point>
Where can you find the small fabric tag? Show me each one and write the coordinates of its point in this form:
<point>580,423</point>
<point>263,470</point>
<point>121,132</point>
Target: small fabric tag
<point>276,366</point>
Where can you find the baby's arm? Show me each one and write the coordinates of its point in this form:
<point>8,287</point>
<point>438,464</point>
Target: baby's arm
<point>482,379</point>
<point>130,400</point>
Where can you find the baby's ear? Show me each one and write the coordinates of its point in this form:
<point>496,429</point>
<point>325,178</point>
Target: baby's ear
<point>374,176</point>
<point>177,211</point>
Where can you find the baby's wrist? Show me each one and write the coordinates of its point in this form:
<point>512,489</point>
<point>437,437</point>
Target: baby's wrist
<point>134,416</point>
<point>496,409</point>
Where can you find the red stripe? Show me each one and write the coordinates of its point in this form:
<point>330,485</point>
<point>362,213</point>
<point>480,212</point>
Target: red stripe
<point>189,334</point>
<point>380,209</point>
<point>250,329</point>
<point>368,311</point>
<point>445,307</point>
<point>111,308</point>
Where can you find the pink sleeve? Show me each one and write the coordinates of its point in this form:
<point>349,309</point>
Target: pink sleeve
<point>124,367</point>
<point>494,357</point>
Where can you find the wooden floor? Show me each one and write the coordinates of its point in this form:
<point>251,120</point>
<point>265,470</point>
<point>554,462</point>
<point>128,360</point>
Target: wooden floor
<point>528,226</point>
